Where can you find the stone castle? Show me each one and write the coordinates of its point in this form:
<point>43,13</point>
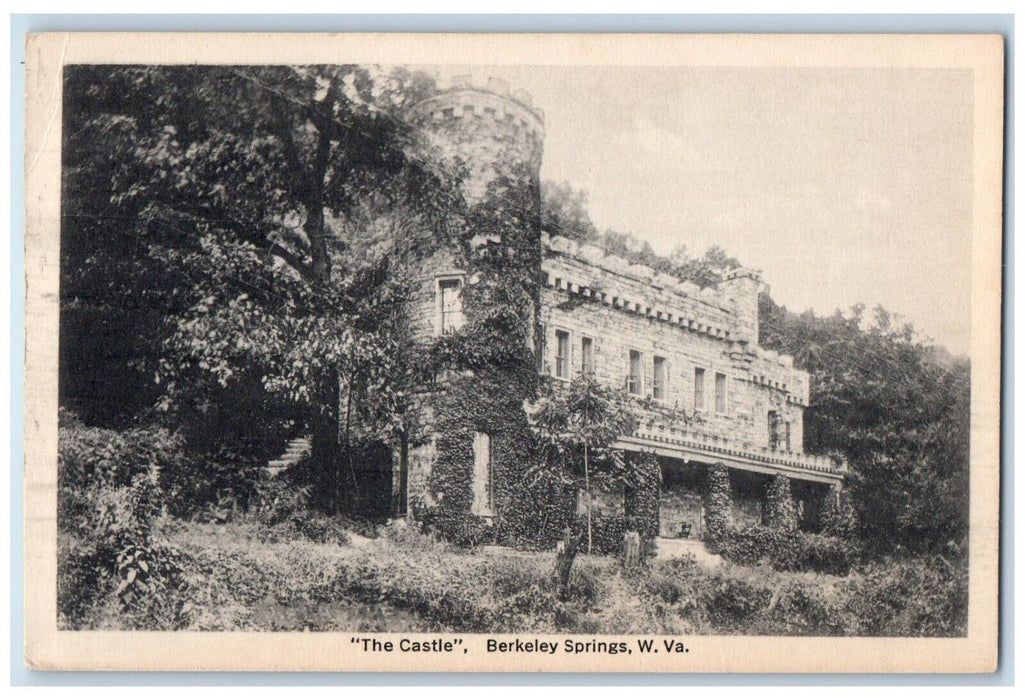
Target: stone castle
<point>665,341</point>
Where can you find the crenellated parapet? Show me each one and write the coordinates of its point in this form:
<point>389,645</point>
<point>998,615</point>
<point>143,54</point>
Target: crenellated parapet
<point>725,316</point>
<point>494,130</point>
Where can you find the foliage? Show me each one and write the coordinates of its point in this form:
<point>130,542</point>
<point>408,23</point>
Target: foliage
<point>918,597</point>
<point>787,550</point>
<point>838,516</point>
<point>108,499</point>
<point>251,225</point>
<point>717,504</point>
<point>564,213</point>
<point>641,499</point>
<point>576,430</point>
<point>403,581</point>
<point>897,409</point>
<point>608,533</point>
<point>780,511</point>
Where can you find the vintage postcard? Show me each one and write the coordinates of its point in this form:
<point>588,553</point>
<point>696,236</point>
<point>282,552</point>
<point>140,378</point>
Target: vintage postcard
<point>668,353</point>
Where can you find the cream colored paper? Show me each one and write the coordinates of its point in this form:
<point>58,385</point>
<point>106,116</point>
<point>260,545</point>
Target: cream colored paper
<point>48,648</point>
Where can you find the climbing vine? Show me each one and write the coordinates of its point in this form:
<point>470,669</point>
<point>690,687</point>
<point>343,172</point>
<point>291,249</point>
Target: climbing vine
<point>780,513</point>
<point>485,372</point>
<point>641,499</point>
<point>717,504</point>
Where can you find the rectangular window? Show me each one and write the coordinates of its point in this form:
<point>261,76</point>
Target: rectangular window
<point>720,392</point>
<point>635,384</point>
<point>483,489</point>
<point>699,389</point>
<point>658,385</point>
<point>562,354</point>
<point>786,435</point>
<point>450,305</point>
<point>773,431</point>
<point>587,356</point>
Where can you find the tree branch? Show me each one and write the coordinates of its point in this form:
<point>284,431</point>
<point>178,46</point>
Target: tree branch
<point>291,259</point>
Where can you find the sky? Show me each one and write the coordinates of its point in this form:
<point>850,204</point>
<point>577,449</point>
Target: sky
<point>843,186</point>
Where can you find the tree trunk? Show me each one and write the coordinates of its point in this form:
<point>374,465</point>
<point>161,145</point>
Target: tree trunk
<point>565,553</point>
<point>587,489</point>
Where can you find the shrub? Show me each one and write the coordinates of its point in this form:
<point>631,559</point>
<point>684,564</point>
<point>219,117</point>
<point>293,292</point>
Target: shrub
<point>733,603</point>
<point>921,597</point>
<point>462,529</point>
<point>838,517</point>
<point>108,500</point>
<point>277,500</point>
<point>787,551</point>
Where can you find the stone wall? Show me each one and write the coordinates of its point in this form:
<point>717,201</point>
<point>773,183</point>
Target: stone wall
<point>632,309</point>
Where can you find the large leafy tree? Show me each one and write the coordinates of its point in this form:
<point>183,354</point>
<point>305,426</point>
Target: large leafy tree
<point>246,229</point>
<point>901,418</point>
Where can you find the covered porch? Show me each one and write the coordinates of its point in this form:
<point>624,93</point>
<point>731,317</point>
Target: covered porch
<point>684,459</point>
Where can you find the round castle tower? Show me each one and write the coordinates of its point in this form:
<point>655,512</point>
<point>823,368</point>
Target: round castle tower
<point>472,426</point>
<point>494,139</point>
<point>494,132</point>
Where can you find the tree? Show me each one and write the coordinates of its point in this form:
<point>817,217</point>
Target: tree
<point>564,212</point>
<point>224,202</point>
<point>901,419</point>
<point>577,430</point>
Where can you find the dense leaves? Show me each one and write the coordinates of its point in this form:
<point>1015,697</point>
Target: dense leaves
<point>898,409</point>
<point>576,427</point>
<point>247,228</point>
<point>780,512</point>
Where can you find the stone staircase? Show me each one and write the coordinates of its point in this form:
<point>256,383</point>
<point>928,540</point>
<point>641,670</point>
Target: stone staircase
<point>296,450</point>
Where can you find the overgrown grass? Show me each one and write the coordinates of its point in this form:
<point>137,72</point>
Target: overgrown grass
<point>246,575</point>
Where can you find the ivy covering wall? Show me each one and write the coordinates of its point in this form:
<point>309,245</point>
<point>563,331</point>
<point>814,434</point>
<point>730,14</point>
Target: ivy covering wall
<point>717,504</point>
<point>641,500</point>
<point>780,512</point>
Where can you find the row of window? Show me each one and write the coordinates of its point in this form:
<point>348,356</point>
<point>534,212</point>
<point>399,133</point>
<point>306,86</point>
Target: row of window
<point>635,377</point>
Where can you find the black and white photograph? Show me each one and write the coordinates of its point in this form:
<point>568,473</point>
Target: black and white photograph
<point>584,351</point>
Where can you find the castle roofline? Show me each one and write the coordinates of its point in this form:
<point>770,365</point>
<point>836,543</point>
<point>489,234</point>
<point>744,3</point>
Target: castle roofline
<point>463,92</point>
<point>601,258</point>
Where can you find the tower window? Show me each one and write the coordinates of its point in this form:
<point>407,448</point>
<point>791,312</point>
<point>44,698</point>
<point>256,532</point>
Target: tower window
<point>450,316</point>
<point>587,356</point>
<point>562,354</point>
<point>699,388</point>
<point>658,385</point>
<point>635,383</point>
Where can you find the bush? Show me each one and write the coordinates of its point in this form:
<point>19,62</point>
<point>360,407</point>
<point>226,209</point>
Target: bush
<point>108,500</point>
<point>461,529</point>
<point>921,597</point>
<point>277,500</point>
<point>838,518</point>
<point>787,551</point>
